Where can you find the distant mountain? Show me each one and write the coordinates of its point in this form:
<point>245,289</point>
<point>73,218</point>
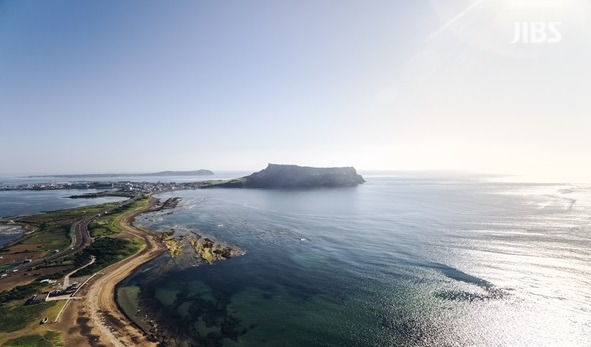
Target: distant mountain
<point>161,173</point>
<point>293,176</point>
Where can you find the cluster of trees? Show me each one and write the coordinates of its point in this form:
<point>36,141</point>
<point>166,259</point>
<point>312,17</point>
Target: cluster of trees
<point>20,292</point>
<point>107,251</point>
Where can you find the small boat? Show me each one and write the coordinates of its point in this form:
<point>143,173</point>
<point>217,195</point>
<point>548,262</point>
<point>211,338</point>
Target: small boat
<point>44,320</point>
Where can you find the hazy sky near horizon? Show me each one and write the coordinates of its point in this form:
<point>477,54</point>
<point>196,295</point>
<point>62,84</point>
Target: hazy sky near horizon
<point>138,86</point>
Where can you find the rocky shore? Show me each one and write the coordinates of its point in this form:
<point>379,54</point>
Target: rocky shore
<point>186,248</point>
<point>168,204</point>
<point>205,249</point>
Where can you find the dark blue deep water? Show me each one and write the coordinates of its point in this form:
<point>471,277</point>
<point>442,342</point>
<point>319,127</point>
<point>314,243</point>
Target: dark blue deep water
<point>397,261</point>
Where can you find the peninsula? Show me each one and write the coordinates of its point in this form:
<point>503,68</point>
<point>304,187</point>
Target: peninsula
<point>293,176</point>
<point>100,245</point>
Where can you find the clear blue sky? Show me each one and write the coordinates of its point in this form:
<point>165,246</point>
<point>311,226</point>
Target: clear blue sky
<point>137,86</point>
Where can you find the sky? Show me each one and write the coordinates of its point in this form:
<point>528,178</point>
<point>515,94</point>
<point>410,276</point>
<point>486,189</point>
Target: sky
<point>141,86</point>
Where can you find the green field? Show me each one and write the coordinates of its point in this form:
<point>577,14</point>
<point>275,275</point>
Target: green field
<point>52,229</point>
<point>107,224</point>
<point>49,339</point>
<point>232,183</point>
<point>107,251</point>
<point>16,316</point>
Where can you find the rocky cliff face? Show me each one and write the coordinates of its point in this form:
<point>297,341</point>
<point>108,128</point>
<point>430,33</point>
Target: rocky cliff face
<point>293,176</point>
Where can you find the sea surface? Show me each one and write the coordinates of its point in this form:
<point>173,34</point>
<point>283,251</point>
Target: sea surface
<point>397,261</point>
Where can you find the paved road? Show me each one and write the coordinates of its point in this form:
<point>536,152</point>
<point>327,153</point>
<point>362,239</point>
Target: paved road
<point>67,277</point>
<point>80,240</point>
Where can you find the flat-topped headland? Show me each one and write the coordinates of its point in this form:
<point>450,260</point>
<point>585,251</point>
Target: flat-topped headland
<point>293,176</point>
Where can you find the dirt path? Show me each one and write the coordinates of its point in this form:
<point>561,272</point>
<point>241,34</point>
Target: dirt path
<point>96,320</point>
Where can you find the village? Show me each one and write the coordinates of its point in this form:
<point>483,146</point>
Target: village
<point>123,186</point>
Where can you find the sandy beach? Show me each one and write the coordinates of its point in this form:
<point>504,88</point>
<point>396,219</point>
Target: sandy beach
<point>96,319</point>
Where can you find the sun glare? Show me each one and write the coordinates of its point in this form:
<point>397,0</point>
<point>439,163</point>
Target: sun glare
<point>491,24</point>
<point>544,8</point>
<point>537,4</point>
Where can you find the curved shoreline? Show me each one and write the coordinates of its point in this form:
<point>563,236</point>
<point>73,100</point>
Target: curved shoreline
<point>26,230</point>
<point>97,318</point>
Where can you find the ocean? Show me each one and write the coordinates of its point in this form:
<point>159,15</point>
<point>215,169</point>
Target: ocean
<point>398,261</point>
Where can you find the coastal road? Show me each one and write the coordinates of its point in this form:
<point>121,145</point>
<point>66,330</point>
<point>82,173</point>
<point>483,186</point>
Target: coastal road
<point>96,320</point>
<point>80,239</point>
<point>66,283</point>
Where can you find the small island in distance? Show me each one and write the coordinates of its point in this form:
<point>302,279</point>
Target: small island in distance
<point>161,173</point>
<point>293,176</point>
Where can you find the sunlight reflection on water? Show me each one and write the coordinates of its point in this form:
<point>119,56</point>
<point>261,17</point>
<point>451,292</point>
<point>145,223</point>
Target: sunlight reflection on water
<point>394,263</point>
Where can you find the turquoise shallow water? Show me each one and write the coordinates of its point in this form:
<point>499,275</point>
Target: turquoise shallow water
<point>396,261</point>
